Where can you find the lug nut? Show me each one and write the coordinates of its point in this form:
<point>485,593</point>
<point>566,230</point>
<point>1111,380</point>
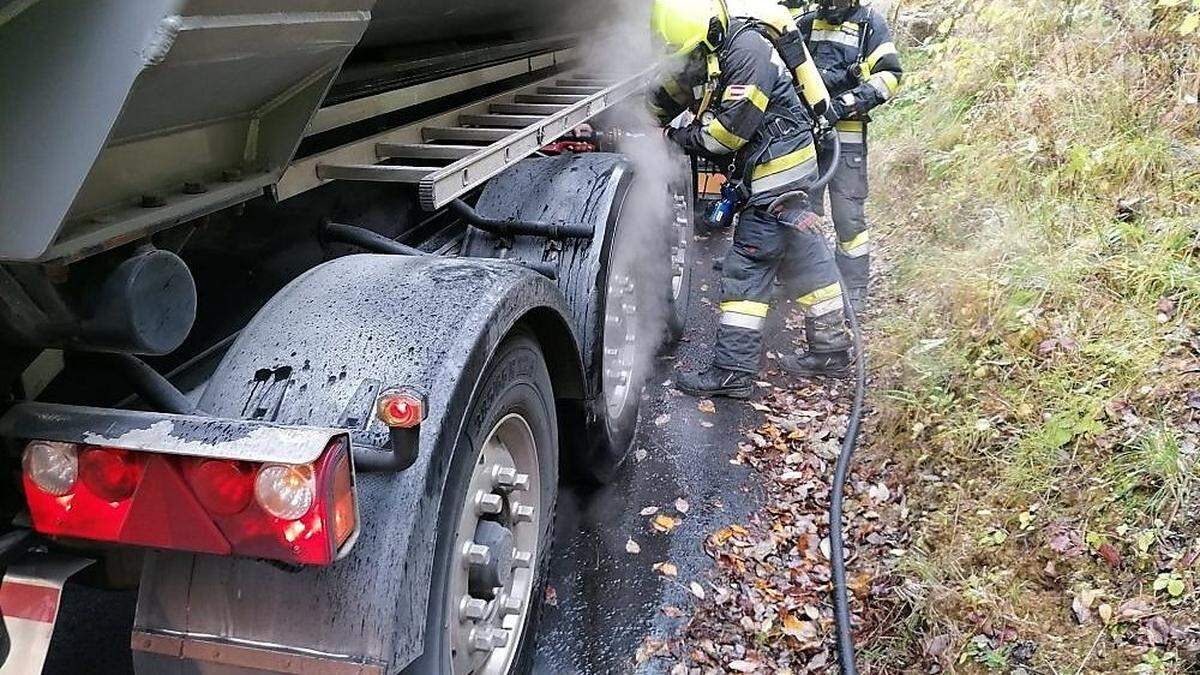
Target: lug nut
<point>488,504</point>
<point>510,606</point>
<point>472,608</point>
<point>476,554</point>
<point>522,559</point>
<point>485,639</point>
<point>522,513</point>
<point>508,479</point>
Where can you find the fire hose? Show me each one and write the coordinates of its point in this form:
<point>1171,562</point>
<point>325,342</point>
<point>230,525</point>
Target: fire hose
<point>841,601</point>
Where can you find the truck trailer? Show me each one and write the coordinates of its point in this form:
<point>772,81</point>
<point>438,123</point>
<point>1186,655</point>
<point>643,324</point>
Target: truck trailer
<point>306,308</point>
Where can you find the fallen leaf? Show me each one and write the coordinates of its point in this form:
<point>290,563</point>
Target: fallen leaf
<point>696,589</point>
<point>664,523</point>
<point>648,511</point>
<point>706,406</point>
<point>879,493</point>
<point>551,596</point>
<point>632,546</point>
<point>743,666</point>
<point>681,505</point>
<point>666,569</point>
<point>1110,555</point>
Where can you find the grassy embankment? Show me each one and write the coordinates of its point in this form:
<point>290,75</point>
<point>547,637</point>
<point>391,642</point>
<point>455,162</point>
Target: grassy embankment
<point>1037,351</point>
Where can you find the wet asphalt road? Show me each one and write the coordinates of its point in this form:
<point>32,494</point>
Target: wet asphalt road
<point>605,600</point>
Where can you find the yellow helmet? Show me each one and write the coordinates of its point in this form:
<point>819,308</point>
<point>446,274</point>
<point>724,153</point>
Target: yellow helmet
<point>683,25</point>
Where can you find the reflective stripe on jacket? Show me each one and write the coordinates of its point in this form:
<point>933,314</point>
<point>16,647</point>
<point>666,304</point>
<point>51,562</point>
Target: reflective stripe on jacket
<point>748,115</point>
<point>857,58</point>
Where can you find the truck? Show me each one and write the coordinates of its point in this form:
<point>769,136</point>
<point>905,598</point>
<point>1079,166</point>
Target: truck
<point>306,308</point>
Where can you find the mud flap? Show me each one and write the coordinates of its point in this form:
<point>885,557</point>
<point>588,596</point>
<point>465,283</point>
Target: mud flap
<point>30,596</point>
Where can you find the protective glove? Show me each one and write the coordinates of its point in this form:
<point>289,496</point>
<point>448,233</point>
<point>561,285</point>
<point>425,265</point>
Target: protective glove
<point>845,105</point>
<point>837,79</point>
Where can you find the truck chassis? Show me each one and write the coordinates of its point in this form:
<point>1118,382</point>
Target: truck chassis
<point>508,316</point>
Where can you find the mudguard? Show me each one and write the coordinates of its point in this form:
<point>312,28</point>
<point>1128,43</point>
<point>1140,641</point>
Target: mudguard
<point>429,323</point>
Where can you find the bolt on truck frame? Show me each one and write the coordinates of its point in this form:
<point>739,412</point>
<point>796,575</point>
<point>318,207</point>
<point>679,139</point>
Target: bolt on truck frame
<point>301,320</point>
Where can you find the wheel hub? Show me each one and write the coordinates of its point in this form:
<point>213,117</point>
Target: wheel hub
<point>498,540</point>
<point>620,342</point>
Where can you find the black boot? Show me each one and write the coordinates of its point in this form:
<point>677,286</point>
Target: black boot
<point>818,364</point>
<point>715,382</point>
<point>828,348</point>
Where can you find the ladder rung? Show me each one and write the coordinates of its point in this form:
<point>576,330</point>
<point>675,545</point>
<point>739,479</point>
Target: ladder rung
<point>465,134</point>
<point>577,91</point>
<point>380,173</point>
<point>526,108</point>
<point>582,82</point>
<point>504,121</point>
<point>424,151</point>
<point>547,98</point>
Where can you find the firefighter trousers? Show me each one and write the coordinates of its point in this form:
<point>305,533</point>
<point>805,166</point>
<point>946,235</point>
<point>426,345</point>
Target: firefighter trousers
<point>765,246</point>
<point>847,201</point>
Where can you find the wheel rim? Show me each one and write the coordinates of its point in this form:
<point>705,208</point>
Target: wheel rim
<point>495,552</point>
<point>680,243</point>
<point>620,342</point>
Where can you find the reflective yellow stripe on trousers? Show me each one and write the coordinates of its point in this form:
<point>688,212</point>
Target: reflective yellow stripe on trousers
<point>744,314</point>
<point>856,247</point>
<point>852,131</point>
<point>822,301</point>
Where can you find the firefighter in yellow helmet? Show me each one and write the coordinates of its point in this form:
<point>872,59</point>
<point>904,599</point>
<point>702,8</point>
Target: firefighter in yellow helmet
<point>852,46</point>
<point>749,118</point>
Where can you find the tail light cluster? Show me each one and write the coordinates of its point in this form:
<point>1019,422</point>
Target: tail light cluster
<point>294,513</point>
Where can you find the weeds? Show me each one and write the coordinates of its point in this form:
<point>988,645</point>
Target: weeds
<point>1038,365</point>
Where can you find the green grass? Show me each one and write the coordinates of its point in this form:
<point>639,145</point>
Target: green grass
<point>1038,183</point>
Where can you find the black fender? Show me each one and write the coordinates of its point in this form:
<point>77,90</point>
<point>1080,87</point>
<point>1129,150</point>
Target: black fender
<point>424,322</point>
<point>590,188</point>
<point>571,188</point>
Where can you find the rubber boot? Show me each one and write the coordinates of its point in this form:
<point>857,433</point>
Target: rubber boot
<point>828,352</point>
<point>716,382</point>
<point>858,300</point>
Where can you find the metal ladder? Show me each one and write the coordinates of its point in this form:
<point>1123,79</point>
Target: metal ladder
<point>448,155</point>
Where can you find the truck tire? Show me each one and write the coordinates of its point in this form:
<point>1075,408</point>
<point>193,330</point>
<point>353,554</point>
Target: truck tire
<point>472,627</point>
<point>607,292</point>
<point>682,232</point>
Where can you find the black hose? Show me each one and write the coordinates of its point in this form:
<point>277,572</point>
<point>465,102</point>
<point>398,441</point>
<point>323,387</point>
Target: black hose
<point>512,228</point>
<point>364,238</point>
<point>151,386</point>
<point>841,599</point>
<point>824,179</point>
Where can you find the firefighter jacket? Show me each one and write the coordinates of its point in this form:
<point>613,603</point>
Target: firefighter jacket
<point>857,59</point>
<point>748,115</point>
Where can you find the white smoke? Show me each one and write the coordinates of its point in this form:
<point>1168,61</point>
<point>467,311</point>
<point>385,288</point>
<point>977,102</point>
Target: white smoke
<point>622,46</point>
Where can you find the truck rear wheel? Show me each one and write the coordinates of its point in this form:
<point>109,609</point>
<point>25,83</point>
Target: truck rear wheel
<point>683,211</point>
<point>495,523</point>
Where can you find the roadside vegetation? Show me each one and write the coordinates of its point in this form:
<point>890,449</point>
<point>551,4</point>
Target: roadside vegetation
<point>1036,349</point>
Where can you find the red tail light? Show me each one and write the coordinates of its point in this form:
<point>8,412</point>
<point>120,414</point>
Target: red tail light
<point>111,474</point>
<point>200,505</point>
<point>223,487</point>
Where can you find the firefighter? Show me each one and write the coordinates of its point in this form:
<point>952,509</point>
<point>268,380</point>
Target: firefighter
<point>852,47</point>
<point>748,117</point>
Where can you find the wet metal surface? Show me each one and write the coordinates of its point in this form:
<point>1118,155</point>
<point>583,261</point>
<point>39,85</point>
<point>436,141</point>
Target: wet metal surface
<point>606,601</point>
